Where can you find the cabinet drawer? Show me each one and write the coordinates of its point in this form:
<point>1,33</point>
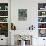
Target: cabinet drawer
<point>3,41</point>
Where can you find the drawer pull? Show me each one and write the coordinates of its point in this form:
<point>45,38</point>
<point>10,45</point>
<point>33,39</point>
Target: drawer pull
<point>43,39</point>
<point>1,39</point>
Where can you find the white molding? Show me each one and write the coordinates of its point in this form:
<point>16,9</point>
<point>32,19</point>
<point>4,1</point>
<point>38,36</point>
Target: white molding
<point>3,1</point>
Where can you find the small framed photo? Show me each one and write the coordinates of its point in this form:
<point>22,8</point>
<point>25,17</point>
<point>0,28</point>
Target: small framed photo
<point>6,7</point>
<point>22,14</point>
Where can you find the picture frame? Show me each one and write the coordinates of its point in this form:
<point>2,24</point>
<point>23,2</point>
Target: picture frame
<point>22,14</point>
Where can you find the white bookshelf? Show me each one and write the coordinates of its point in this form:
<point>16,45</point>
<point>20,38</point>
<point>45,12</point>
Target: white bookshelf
<point>2,42</point>
<point>42,18</point>
<point>4,17</point>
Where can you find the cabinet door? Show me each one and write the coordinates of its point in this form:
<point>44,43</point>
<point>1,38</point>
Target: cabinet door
<point>41,41</point>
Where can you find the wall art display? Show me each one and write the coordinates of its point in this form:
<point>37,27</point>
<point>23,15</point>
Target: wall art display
<point>42,33</point>
<point>22,14</point>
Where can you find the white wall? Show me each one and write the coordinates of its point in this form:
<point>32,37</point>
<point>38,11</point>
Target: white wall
<point>32,13</point>
<point>31,7</point>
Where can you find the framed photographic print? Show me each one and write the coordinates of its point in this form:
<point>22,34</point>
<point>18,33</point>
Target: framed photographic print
<point>42,32</point>
<point>3,19</point>
<point>22,14</point>
<point>4,29</point>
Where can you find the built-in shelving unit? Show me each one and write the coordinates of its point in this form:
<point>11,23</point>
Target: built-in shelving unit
<point>42,19</point>
<point>4,19</point>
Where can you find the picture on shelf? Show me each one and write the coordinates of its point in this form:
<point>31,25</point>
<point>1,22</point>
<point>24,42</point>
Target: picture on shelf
<point>3,13</point>
<point>22,14</point>
<point>4,29</point>
<point>3,6</point>
<point>3,19</point>
<point>13,27</point>
<point>41,13</point>
<point>42,32</point>
<point>41,19</point>
<point>3,26</point>
<point>41,6</point>
<point>41,25</point>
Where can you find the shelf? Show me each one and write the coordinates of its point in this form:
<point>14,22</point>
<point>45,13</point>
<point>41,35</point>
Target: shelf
<point>41,22</point>
<point>4,19</point>
<point>41,10</point>
<point>41,28</point>
<point>3,16</point>
<point>42,16</point>
<point>3,10</point>
<point>3,22</point>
